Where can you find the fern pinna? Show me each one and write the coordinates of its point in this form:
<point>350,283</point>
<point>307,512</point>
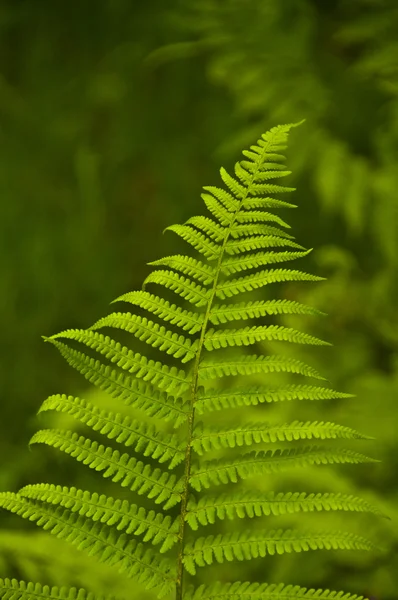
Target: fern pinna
<point>239,245</point>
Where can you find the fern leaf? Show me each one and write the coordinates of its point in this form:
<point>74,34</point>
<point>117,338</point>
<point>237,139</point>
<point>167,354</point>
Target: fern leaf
<point>184,287</point>
<point>266,202</point>
<point>122,468</point>
<point>229,202</point>
<point>214,399</point>
<point>254,167</point>
<point>256,153</point>
<point>246,177</point>
<point>187,320</point>
<point>236,188</point>
<point>207,439</point>
<point>254,504</point>
<point>260,216</point>
<point>266,175</point>
<point>198,240</point>
<point>252,544</point>
<point>218,210</point>
<point>264,157</point>
<point>223,313</point>
<point>188,266</point>
<point>263,591</point>
<point>130,518</point>
<point>248,230</point>
<point>259,241</point>
<point>213,230</point>
<point>167,378</point>
<point>144,437</point>
<point>273,141</point>
<point>258,259</point>
<point>151,333</point>
<point>230,288</point>
<point>252,261</point>
<point>131,391</point>
<point>251,363</point>
<point>223,338</point>
<point>268,188</point>
<point>218,472</point>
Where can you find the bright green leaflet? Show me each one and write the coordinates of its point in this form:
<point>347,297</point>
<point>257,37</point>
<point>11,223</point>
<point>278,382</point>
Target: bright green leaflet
<point>237,246</point>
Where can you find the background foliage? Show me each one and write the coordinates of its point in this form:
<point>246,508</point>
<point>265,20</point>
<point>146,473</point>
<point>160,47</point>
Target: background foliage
<point>113,114</point>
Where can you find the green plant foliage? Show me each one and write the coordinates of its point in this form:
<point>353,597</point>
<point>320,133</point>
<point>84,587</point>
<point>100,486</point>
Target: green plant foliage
<point>157,548</point>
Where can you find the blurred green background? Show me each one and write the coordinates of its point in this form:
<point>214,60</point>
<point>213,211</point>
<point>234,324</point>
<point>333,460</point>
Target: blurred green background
<point>113,114</point>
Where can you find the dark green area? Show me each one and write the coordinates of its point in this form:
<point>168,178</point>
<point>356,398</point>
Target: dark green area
<point>113,114</point>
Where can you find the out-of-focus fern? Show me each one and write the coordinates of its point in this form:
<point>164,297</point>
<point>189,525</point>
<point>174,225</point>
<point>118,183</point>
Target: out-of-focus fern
<point>237,247</point>
<point>29,556</point>
<point>341,56</point>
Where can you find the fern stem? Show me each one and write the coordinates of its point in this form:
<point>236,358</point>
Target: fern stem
<point>194,388</point>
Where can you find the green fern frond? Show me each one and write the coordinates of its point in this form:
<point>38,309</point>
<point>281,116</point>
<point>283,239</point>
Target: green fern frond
<point>222,338</point>
<point>233,238</point>
<point>188,266</point>
<point>254,203</point>
<point>151,333</point>
<point>259,217</point>
<point>254,167</point>
<point>218,210</point>
<point>113,351</point>
<point>123,468</point>
<point>223,313</point>
<point>198,240</point>
<point>256,189</point>
<point>238,190</point>
<point>213,399</point>
<point>259,241</point>
<point>225,198</point>
<point>251,364</point>
<point>253,544</point>
<point>250,229</point>
<point>262,591</point>
<point>132,392</point>
<point>213,230</point>
<point>261,278</point>
<point>263,462</point>
<point>271,141</point>
<point>254,504</point>
<point>253,155</point>
<point>187,320</point>
<point>258,259</point>
<point>207,439</point>
<point>184,287</point>
<point>261,175</point>
<point>145,438</point>
<point>130,518</point>
<point>166,378</point>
